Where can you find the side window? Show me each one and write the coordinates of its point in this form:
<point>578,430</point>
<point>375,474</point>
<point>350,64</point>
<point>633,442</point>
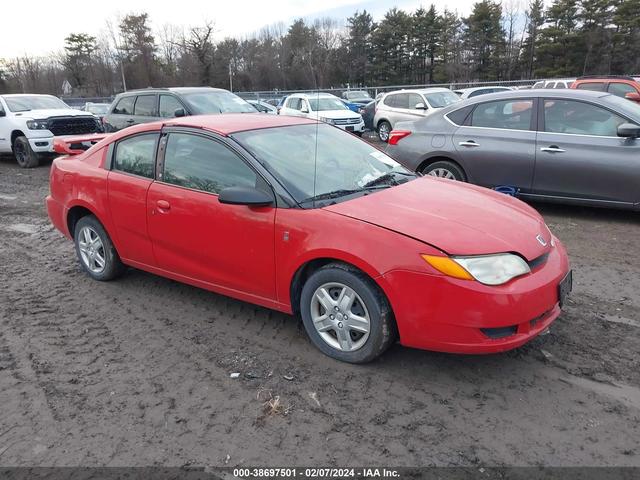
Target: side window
<point>580,118</point>
<point>294,103</point>
<point>197,162</point>
<point>507,114</point>
<point>390,100</point>
<point>136,155</point>
<point>145,106</point>
<point>168,106</point>
<point>125,106</point>
<point>561,85</point>
<point>414,99</point>
<point>620,89</point>
<point>595,86</point>
<point>538,85</point>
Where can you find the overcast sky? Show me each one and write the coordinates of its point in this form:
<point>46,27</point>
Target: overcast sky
<point>38,27</point>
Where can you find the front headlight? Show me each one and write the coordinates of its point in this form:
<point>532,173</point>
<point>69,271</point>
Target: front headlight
<point>488,269</point>
<point>37,125</point>
<point>327,120</point>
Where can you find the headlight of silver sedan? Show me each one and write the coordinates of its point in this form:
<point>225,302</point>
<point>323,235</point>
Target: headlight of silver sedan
<point>494,269</point>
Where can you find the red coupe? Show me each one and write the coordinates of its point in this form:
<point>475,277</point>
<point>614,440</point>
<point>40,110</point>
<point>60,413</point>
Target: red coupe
<point>301,217</point>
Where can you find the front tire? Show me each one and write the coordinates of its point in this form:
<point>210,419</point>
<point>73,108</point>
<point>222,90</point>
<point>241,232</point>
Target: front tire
<point>97,255</point>
<point>24,155</point>
<point>346,315</point>
<point>445,169</point>
<point>384,129</point>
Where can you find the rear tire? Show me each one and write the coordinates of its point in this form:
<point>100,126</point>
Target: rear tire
<point>24,155</point>
<point>346,315</point>
<point>384,129</point>
<point>445,169</point>
<point>96,253</point>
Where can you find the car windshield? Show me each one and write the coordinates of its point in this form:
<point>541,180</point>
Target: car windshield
<point>217,102</point>
<point>35,102</point>
<point>318,160</point>
<point>442,99</point>
<point>98,109</point>
<point>327,103</point>
<point>358,95</point>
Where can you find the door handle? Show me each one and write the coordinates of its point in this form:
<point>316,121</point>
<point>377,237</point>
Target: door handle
<point>552,149</point>
<point>131,120</point>
<point>163,205</point>
<point>469,143</point>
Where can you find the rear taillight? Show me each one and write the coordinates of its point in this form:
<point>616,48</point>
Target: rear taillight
<point>396,135</point>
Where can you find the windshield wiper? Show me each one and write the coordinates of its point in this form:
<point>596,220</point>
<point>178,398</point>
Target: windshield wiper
<point>389,177</point>
<point>343,192</point>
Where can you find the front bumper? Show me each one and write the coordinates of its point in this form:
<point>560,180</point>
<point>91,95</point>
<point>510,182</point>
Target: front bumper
<point>436,312</point>
<point>41,143</point>
<point>358,127</point>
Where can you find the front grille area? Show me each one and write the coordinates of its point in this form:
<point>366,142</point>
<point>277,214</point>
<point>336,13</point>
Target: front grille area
<point>73,125</point>
<point>348,121</point>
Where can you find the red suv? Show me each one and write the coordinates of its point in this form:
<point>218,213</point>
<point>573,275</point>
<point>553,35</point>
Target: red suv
<point>625,87</point>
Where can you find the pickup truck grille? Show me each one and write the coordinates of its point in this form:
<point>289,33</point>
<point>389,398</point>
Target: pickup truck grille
<point>73,125</point>
<point>348,121</point>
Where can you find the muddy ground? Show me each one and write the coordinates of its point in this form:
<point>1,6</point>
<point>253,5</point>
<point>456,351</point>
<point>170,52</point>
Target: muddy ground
<point>137,371</point>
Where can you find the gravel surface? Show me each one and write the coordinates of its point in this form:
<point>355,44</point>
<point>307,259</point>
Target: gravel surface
<point>141,371</point>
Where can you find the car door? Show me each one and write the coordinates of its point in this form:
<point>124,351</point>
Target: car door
<point>579,155</point>
<point>497,143</point>
<point>292,106</point>
<point>5,130</point>
<point>132,166</point>
<point>196,236</point>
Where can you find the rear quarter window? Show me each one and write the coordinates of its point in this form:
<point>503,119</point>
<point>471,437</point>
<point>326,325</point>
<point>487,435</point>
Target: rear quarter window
<point>460,116</point>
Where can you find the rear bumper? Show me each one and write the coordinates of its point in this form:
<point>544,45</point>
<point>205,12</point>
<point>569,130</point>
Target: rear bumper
<point>436,312</point>
<point>57,214</point>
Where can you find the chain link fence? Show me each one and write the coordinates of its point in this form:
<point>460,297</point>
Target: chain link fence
<point>274,94</point>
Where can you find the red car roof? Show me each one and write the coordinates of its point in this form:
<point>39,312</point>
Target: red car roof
<point>228,123</point>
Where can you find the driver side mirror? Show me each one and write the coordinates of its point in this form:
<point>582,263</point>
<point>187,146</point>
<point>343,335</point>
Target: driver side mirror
<point>633,96</point>
<point>420,106</point>
<point>629,130</point>
<point>179,113</point>
<point>249,196</point>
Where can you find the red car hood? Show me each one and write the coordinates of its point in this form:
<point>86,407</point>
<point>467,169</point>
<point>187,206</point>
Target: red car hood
<point>458,218</point>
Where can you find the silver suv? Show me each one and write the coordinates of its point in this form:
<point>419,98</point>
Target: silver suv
<point>408,105</point>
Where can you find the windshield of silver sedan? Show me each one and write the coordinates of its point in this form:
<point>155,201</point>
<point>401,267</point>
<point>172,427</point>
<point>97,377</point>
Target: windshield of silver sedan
<point>321,164</point>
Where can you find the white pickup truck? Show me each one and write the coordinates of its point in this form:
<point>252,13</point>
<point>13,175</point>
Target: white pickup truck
<point>28,124</point>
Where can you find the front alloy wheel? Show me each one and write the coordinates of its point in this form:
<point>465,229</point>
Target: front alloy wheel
<point>345,314</point>
<point>340,317</point>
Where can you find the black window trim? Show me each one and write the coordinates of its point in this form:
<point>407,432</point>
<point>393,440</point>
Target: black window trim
<point>541,122</point>
<point>159,167</point>
<point>113,149</point>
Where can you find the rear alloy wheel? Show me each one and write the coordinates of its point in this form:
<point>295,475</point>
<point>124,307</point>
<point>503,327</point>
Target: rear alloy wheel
<point>23,153</point>
<point>96,253</point>
<point>384,129</point>
<point>345,314</point>
<point>444,169</point>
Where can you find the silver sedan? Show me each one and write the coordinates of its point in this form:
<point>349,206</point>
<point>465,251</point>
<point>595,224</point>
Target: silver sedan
<point>569,146</point>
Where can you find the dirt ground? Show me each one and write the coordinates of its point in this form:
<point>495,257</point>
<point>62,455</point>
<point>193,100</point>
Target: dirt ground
<point>137,372</point>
